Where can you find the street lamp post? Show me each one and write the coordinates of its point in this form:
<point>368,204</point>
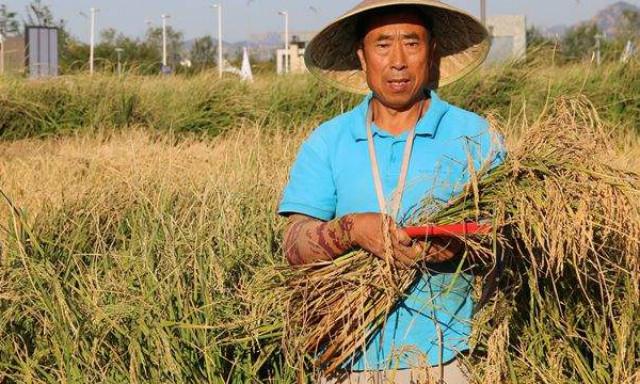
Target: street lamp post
<point>164,39</point>
<point>92,33</point>
<point>483,11</point>
<point>2,40</point>
<point>118,53</point>
<point>286,40</point>
<point>219,7</point>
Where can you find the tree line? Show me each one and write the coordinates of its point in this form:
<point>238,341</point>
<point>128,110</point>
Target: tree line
<point>144,54</point>
<point>140,54</point>
<point>581,41</point>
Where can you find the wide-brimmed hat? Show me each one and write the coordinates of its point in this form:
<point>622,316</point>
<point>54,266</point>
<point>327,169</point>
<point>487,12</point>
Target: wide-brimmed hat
<point>462,44</point>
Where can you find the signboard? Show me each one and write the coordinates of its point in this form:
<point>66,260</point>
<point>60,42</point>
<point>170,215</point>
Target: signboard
<point>42,51</point>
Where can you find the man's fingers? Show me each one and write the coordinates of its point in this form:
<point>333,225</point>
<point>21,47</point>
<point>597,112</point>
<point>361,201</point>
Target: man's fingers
<point>440,251</point>
<point>403,259</point>
<point>397,244</point>
<point>408,256</point>
<point>419,249</point>
<point>402,237</point>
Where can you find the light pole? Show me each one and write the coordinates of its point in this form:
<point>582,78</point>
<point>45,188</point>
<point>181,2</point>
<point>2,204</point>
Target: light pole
<point>2,39</point>
<point>118,53</point>
<point>92,37</point>
<point>164,39</point>
<point>483,11</point>
<point>92,34</point>
<point>219,7</point>
<point>286,40</point>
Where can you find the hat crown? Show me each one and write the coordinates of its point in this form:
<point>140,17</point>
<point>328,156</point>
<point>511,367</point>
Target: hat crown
<point>370,4</point>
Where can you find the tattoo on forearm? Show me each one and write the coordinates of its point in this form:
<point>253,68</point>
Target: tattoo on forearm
<point>323,231</point>
<point>309,240</point>
<point>291,245</point>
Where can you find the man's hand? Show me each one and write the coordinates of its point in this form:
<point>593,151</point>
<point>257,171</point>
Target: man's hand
<point>379,235</point>
<point>367,232</point>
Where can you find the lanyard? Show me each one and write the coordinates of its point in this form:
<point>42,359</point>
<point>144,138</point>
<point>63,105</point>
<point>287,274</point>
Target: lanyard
<point>375,169</point>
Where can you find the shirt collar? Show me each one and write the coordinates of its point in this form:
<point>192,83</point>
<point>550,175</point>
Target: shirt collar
<point>427,125</point>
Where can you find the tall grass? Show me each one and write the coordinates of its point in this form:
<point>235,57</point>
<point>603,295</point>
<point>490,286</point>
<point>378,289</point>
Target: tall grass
<point>199,105</point>
<point>127,271</point>
<point>202,104</point>
<point>129,255</point>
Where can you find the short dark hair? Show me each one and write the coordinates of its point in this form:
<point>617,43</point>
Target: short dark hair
<point>365,18</point>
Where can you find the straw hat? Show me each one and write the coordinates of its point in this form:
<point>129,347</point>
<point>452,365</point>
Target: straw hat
<point>462,44</point>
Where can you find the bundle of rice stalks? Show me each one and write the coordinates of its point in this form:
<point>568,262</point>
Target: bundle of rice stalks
<point>557,203</point>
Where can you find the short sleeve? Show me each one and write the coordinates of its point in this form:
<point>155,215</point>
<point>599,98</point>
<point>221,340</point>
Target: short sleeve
<point>311,189</point>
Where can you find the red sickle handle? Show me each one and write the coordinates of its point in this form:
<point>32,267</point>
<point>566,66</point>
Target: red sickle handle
<point>450,230</point>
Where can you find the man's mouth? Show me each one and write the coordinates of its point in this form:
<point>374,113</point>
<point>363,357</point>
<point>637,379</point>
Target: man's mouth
<point>399,85</point>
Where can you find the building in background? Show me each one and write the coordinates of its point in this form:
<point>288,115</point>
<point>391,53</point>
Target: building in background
<point>13,59</point>
<point>297,47</point>
<point>41,51</point>
<point>509,38</point>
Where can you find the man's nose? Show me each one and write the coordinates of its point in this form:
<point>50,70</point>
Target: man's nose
<point>398,57</point>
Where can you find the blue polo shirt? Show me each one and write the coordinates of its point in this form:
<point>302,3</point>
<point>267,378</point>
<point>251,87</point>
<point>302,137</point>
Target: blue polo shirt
<point>331,177</point>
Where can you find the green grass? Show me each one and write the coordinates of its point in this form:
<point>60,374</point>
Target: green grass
<point>202,104</point>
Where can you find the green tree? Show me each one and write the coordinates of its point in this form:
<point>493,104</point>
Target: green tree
<point>580,41</point>
<point>203,53</point>
<point>136,56</point>
<point>39,14</point>
<point>628,27</point>
<point>109,36</point>
<point>174,43</point>
<point>9,24</point>
<point>535,38</point>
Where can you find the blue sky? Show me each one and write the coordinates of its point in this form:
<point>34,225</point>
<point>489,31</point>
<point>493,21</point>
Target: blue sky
<point>243,17</point>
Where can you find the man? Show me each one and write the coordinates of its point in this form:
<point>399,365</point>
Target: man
<point>363,175</point>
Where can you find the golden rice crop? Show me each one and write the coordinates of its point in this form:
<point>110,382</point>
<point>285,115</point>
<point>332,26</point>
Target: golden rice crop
<point>134,253</point>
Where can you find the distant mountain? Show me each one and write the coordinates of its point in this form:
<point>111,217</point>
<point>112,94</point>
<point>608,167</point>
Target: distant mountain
<point>188,44</point>
<point>268,39</point>
<point>608,19</point>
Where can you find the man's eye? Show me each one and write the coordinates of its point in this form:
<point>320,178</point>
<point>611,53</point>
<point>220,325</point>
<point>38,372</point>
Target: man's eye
<point>413,43</point>
<point>383,45</point>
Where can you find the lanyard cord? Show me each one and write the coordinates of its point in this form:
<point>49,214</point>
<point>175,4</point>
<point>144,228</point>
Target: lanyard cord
<point>375,169</point>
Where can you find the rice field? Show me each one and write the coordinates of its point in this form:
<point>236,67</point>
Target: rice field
<point>138,219</point>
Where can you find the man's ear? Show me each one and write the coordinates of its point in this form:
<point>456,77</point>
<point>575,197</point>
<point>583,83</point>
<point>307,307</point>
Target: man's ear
<point>363,61</point>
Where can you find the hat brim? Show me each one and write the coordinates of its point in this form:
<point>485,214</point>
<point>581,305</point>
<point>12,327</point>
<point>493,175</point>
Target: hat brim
<point>462,45</point>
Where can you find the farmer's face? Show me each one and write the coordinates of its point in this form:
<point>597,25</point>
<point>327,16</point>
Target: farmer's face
<point>396,55</point>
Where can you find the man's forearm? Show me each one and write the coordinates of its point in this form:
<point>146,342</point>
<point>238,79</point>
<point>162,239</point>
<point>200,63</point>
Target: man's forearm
<point>309,240</point>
